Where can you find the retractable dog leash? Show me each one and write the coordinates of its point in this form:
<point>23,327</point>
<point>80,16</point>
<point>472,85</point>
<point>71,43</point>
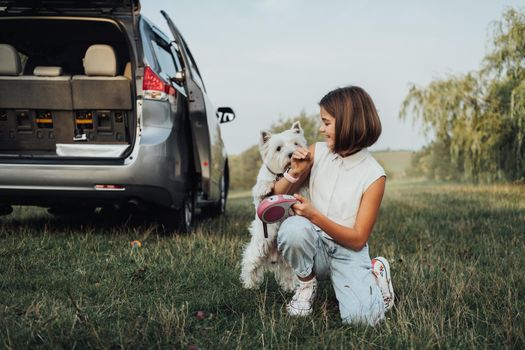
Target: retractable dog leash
<point>275,208</point>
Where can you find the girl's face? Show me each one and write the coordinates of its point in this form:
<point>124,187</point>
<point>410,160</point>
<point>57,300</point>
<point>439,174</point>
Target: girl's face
<point>327,128</point>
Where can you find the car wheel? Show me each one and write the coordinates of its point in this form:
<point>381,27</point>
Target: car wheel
<point>180,220</point>
<point>221,206</point>
<point>186,215</point>
<point>5,210</point>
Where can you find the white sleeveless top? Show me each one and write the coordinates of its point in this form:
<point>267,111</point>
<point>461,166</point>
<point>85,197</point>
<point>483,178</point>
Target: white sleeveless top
<point>337,184</point>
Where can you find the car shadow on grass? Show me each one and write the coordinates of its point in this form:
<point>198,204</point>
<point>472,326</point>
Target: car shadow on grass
<point>100,221</point>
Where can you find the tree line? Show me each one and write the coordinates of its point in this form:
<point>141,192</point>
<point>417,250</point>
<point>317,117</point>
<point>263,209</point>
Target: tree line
<point>477,119</point>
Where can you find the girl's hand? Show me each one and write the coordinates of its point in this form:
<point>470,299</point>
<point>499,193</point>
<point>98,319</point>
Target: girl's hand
<point>300,161</point>
<point>304,207</point>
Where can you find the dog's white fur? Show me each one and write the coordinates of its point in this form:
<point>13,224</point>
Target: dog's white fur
<point>261,253</point>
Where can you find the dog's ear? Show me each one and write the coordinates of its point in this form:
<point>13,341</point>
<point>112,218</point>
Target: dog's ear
<point>296,126</point>
<point>265,136</point>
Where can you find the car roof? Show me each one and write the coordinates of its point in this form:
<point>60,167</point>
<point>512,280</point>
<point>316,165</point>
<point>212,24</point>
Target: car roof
<point>92,7</point>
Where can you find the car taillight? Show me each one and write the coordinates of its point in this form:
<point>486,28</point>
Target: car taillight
<point>154,87</point>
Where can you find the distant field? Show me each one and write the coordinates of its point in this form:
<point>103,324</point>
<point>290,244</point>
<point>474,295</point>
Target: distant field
<point>395,162</point>
<point>456,251</point>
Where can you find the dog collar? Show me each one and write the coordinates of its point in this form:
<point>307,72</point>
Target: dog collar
<point>270,170</point>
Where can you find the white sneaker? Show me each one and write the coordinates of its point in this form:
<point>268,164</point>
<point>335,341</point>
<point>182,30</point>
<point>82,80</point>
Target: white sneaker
<point>302,301</point>
<point>381,270</point>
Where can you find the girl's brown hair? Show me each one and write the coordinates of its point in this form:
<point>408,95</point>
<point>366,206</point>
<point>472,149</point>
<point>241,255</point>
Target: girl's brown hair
<point>357,123</point>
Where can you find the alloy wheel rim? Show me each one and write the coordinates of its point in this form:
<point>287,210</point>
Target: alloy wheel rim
<point>223,195</point>
<point>188,214</point>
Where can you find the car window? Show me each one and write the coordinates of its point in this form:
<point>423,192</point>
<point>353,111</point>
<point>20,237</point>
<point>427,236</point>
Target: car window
<point>145,32</point>
<point>165,60</point>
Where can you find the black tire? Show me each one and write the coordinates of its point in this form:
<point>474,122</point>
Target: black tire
<point>186,215</point>
<point>5,210</point>
<point>181,220</point>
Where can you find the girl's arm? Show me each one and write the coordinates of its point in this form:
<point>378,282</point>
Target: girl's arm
<point>302,161</point>
<point>355,237</point>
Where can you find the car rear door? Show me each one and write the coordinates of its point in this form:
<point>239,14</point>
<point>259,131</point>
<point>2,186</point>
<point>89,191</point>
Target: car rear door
<point>208,147</point>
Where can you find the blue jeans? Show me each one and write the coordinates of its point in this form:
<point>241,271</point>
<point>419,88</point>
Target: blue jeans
<point>307,250</point>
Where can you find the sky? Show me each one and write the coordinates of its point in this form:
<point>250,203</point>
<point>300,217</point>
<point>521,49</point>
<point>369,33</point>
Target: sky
<point>273,59</point>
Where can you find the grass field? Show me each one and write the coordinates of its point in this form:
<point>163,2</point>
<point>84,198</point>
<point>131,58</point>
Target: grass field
<point>457,255</point>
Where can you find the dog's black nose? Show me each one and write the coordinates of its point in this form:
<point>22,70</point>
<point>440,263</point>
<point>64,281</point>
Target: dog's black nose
<point>290,155</point>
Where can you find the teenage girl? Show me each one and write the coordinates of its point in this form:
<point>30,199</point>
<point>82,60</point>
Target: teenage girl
<point>328,236</point>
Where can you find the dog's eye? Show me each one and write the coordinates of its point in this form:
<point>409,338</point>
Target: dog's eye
<point>278,149</point>
<point>295,143</point>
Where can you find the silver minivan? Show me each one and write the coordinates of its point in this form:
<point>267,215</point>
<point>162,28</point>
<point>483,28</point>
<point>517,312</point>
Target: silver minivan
<point>100,108</point>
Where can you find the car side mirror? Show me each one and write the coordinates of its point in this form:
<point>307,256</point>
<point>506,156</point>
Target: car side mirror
<point>225,114</point>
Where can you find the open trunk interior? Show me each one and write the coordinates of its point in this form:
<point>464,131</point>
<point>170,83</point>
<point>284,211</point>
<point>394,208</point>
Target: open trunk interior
<point>55,104</point>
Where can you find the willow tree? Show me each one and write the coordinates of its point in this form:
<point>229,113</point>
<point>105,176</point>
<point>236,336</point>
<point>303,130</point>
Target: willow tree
<point>504,69</point>
<point>450,110</point>
<point>477,120</point>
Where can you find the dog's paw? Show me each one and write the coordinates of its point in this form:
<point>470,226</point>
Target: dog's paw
<point>250,283</point>
<point>251,280</point>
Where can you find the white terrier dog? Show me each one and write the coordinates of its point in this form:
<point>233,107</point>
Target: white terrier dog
<point>261,253</point>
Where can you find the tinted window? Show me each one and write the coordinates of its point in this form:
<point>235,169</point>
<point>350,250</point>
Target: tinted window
<point>146,35</point>
<point>165,60</point>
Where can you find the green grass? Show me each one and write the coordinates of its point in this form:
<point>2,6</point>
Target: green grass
<point>457,255</point>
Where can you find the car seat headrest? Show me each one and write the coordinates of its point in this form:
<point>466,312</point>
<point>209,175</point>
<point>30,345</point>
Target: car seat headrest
<point>100,60</point>
<point>47,71</point>
<point>9,60</point>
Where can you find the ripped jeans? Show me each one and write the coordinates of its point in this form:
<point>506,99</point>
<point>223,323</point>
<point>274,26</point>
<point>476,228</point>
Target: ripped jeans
<point>308,250</point>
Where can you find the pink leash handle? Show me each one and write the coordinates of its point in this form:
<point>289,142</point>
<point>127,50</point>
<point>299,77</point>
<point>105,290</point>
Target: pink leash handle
<point>274,209</point>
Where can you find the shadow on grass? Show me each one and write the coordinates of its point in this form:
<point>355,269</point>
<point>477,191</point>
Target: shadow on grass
<point>34,220</point>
